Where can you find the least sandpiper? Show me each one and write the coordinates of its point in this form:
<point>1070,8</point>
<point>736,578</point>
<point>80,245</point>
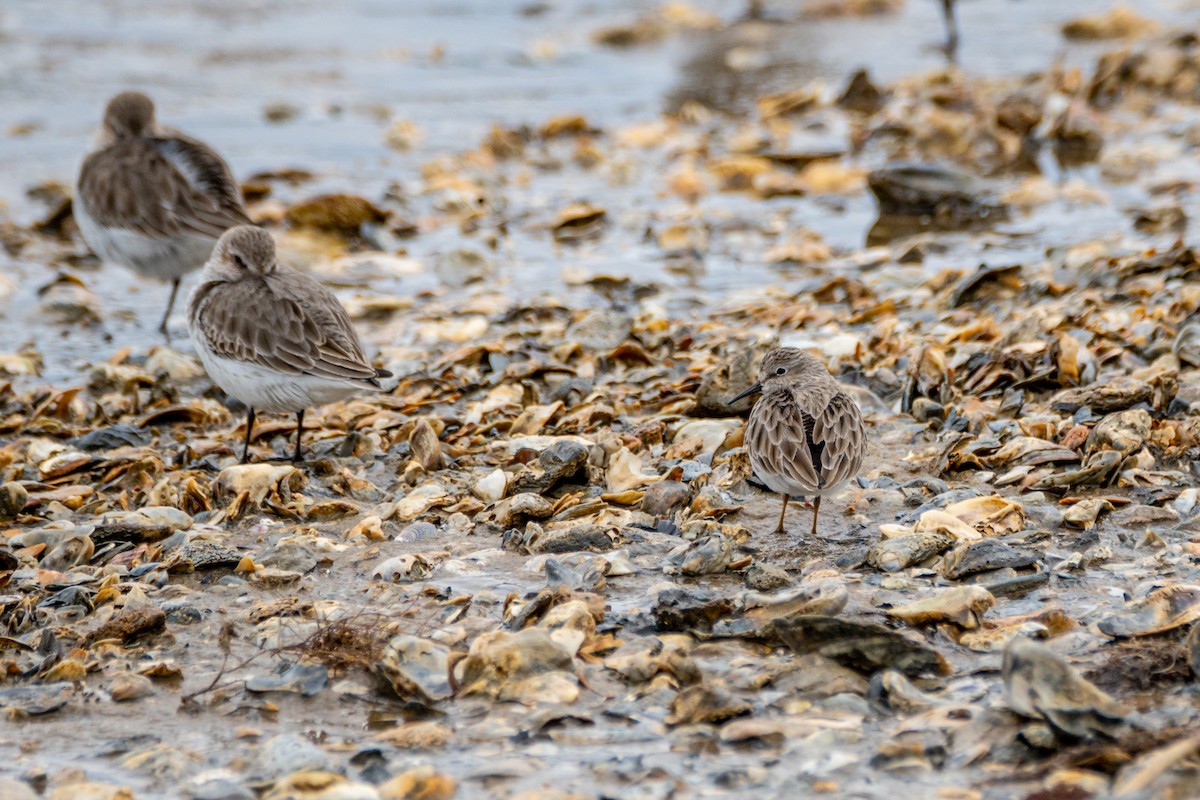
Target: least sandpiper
<point>152,199</point>
<point>805,436</point>
<point>275,339</point>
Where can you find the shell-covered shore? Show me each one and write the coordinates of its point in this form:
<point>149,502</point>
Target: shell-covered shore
<point>538,564</point>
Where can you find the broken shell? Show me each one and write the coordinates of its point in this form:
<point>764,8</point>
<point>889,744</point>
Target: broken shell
<point>1039,683</point>
<point>369,527</point>
<point>258,481</point>
<point>421,500</point>
<point>409,567</point>
<point>862,646</point>
<point>559,462</point>
<point>418,783</point>
<point>512,510</point>
<point>568,539</point>
<point>826,597</point>
<point>64,464</point>
<point>996,635</point>
<point>768,577</point>
<point>926,190</point>
<point>645,658</point>
<point>707,555</point>
<point>491,487</point>
<point>426,448</point>
<point>130,624</point>
<point>939,522</point>
<point>710,434</point>
<point>129,686</point>
<point>625,472</point>
<point>969,558</point>
<point>70,551</point>
<point>415,668</point>
<point>706,702</point>
<point>1124,431</point>
<point>1164,609</point>
<point>13,497</point>
<point>37,699</point>
<point>424,734</point>
<point>664,497</point>
<point>992,516</point>
<point>1142,774</point>
<point>679,609</point>
<point>577,221</point>
<point>306,680</point>
<point>1097,470</point>
<point>1106,396</point>
<point>1030,451</point>
<point>570,624</point>
<point>711,503</point>
<point>962,605</point>
<point>1085,513</point>
<point>319,785</point>
<point>528,666</point>
<point>16,789</point>
<point>899,552</point>
<point>891,689</point>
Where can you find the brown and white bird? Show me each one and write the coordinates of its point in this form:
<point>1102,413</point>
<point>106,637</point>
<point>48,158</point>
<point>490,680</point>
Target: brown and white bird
<point>805,436</point>
<point>151,198</point>
<point>275,339</point>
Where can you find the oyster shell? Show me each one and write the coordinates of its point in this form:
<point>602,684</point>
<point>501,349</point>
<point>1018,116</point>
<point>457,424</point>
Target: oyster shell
<point>861,646</point>
<point>1039,683</point>
<point>1164,609</point>
<point>962,606</point>
<point>899,552</point>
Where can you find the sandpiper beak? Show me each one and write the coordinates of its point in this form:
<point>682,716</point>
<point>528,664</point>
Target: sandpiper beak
<point>755,389</point>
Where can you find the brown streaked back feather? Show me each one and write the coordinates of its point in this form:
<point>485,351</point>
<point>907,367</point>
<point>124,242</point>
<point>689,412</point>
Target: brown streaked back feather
<point>285,321</point>
<point>161,187</point>
<point>842,434</point>
<point>809,432</point>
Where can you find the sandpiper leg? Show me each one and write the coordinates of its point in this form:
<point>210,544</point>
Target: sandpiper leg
<point>816,510</point>
<point>249,428</point>
<point>162,328</point>
<point>782,511</point>
<point>297,457</point>
<point>951,30</point>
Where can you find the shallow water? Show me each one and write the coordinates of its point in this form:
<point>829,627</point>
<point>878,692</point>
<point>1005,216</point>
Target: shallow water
<point>454,70</point>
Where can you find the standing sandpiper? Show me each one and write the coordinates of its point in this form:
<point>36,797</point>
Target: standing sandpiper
<point>805,436</point>
<point>275,339</point>
<point>152,199</point>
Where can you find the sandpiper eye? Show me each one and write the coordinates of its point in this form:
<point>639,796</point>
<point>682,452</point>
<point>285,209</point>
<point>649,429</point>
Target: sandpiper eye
<point>240,262</point>
<point>781,370</point>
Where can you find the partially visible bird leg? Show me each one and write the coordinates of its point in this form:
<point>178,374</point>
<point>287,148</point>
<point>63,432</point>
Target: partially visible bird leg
<point>782,511</point>
<point>249,429</point>
<point>297,457</point>
<point>816,511</point>
<point>951,30</point>
<point>162,327</point>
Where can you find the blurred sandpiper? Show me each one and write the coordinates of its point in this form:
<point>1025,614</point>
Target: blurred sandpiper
<point>151,198</point>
